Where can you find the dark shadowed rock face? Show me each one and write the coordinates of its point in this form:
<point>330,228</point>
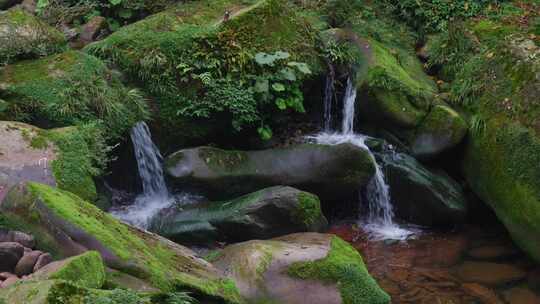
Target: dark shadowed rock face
<point>263,214</point>
<point>421,196</point>
<point>10,254</point>
<point>327,171</point>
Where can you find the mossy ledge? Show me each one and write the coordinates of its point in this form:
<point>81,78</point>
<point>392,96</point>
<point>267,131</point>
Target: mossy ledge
<point>57,217</point>
<point>343,266</point>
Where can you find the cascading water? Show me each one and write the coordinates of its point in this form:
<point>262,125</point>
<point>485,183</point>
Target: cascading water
<point>329,98</point>
<point>155,196</point>
<point>379,223</point>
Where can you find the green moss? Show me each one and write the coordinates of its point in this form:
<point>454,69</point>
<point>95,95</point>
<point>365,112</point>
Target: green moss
<point>44,292</point>
<point>68,89</point>
<point>85,270</point>
<point>160,265</point>
<point>222,160</point>
<point>343,266</point>
<point>25,36</point>
<point>309,208</point>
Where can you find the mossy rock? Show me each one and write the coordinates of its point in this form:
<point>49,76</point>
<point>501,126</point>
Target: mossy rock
<point>57,157</point>
<point>442,129</point>
<point>66,225</point>
<point>85,270</point>
<point>152,50</point>
<point>24,36</point>
<point>300,268</point>
<point>67,89</point>
<point>264,214</point>
<point>44,292</point>
<point>327,171</point>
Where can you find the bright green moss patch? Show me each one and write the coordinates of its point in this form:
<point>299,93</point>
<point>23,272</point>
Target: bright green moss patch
<point>85,270</point>
<point>343,266</point>
<point>162,266</point>
<point>68,89</point>
<point>44,292</point>
<point>23,36</point>
<point>309,208</point>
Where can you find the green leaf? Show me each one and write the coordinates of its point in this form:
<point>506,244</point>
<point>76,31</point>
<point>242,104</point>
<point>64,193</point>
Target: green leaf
<point>301,66</point>
<point>265,132</point>
<point>288,74</point>
<point>278,87</point>
<point>265,59</point>
<point>281,55</point>
<point>281,103</point>
<point>115,2</point>
<point>125,13</point>
<point>262,86</point>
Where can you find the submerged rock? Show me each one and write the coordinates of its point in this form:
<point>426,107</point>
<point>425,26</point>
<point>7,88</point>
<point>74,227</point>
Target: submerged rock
<point>492,274</point>
<point>300,268</point>
<point>66,225</point>
<point>421,196</point>
<point>24,36</point>
<point>263,214</point>
<point>328,171</point>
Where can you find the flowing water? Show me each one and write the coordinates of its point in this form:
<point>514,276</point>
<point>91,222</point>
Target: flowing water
<point>379,222</point>
<point>155,195</point>
<point>329,98</point>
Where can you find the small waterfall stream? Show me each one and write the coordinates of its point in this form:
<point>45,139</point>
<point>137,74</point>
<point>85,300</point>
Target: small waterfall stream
<point>380,219</point>
<point>155,196</point>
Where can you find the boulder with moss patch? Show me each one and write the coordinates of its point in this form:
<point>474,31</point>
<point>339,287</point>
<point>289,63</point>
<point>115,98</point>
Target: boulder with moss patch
<point>43,292</point>
<point>263,214</point>
<point>24,36</point>
<point>67,89</point>
<point>300,268</point>
<point>328,171</point>
<point>66,225</point>
<point>57,157</point>
<point>85,270</point>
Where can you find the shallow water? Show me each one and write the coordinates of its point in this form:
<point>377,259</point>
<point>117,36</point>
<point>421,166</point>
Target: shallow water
<point>472,265</point>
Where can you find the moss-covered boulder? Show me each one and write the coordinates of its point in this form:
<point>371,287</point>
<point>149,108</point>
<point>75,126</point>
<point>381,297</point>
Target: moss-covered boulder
<point>300,268</point>
<point>498,85</point>
<point>441,129</point>
<point>58,157</point>
<point>66,225</point>
<point>328,171</point>
<point>263,214</point>
<point>421,196</point>
<point>85,270</point>
<point>66,89</point>
<point>193,52</point>
<point>24,36</point>
<point>43,292</point>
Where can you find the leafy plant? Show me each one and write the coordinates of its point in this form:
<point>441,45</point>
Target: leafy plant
<point>477,125</point>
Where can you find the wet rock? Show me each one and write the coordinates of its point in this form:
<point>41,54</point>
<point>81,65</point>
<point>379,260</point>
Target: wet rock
<point>29,6</point>
<point>421,196</point>
<point>5,275</point>
<point>43,259</point>
<point>10,254</point>
<point>92,29</point>
<point>327,171</point>
<point>264,214</point>
<point>520,295</point>
<point>300,268</point>
<point>484,294</point>
<point>492,274</point>
<point>494,252</point>
<point>26,264</point>
<point>22,238</point>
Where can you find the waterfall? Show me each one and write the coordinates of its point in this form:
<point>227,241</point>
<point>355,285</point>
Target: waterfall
<point>379,223</point>
<point>329,98</point>
<point>155,195</point>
